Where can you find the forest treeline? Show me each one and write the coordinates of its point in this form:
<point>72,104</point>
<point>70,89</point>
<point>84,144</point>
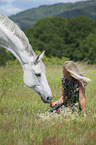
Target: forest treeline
<point>74,38</point>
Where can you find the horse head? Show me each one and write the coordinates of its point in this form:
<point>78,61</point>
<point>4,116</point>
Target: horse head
<point>13,39</point>
<point>35,78</point>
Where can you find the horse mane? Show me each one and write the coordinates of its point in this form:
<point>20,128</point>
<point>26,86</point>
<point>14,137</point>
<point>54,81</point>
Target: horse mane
<point>14,28</point>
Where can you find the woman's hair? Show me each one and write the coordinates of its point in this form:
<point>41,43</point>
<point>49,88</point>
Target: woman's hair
<point>72,68</point>
<point>70,65</point>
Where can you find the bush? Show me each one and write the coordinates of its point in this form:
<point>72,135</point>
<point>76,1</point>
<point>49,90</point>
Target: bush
<point>5,56</point>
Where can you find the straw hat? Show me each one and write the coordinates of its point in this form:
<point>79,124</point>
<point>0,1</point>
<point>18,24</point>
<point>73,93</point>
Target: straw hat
<point>71,67</point>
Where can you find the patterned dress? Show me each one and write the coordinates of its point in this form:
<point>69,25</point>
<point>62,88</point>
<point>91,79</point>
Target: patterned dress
<point>71,90</point>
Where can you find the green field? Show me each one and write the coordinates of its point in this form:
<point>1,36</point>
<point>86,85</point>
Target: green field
<point>23,120</point>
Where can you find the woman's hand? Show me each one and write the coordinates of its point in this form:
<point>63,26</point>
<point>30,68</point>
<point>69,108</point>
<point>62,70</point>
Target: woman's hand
<point>53,104</point>
<point>58,102</point>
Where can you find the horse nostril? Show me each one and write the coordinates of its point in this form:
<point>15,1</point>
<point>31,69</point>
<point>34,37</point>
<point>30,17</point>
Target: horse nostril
<point>48,98</point>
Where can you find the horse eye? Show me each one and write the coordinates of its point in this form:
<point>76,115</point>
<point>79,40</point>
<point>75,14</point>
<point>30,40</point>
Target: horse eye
<point>38,75</point>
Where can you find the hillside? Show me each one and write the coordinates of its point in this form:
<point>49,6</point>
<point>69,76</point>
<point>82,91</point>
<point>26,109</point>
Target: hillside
<point>28,18</point>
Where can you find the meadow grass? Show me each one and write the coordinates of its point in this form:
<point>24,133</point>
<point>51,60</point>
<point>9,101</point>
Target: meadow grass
<point>23,120</point>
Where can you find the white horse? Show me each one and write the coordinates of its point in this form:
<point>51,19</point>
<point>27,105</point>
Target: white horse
<point>14,40</point>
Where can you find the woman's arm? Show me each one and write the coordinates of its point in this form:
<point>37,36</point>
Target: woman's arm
<point>82,99</point>
<point>60,101</point>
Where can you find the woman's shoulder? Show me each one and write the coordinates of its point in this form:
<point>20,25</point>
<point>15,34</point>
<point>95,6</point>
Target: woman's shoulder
<point>79,83</point>
<point>76,82</point>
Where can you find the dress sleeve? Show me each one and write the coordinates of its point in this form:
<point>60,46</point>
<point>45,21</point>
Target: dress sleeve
<point>63,80</point>
<point>85,83</point>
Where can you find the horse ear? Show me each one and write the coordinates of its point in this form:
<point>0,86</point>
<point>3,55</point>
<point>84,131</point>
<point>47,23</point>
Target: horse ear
<point>37,57</point>
<point>41,56</point>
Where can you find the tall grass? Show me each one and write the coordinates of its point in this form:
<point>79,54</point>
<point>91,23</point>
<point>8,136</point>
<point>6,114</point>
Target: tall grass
<point>21,119</point>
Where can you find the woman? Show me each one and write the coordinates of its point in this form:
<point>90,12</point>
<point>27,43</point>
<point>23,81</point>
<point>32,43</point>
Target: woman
<point>73,88</point>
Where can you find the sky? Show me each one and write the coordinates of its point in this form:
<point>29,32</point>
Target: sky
<point>12,7</point>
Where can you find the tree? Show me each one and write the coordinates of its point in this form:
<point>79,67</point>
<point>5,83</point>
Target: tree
<point>63,37</point>
<point>5,56</point>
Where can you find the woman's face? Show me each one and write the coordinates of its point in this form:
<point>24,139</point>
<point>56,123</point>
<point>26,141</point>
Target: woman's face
<point>67,74</point>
